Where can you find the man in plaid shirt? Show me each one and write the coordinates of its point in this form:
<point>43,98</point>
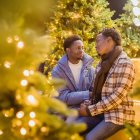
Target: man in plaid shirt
<point>113,79</point>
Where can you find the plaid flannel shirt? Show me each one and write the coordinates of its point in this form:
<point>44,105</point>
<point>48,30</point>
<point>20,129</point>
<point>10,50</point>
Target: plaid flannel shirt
<point>116,105</point>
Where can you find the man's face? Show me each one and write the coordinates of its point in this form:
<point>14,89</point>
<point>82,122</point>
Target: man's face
<point>76,50</point>
<point>102,44</point>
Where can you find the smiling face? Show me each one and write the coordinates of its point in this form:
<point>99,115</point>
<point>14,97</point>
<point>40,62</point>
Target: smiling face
<point>75,52</point>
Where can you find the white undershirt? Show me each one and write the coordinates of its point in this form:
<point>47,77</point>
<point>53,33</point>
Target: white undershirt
<point>76,70</point>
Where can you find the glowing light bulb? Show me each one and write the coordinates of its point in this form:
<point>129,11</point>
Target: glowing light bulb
<point>23,131</point>
<point>20,44</point>
<point>7,64</point>
<point>32,100</point>
<point>32,114</point>
<point>26,73</point>
<point>20,114</point>
<point>24,82</point>
<point>31,123</point>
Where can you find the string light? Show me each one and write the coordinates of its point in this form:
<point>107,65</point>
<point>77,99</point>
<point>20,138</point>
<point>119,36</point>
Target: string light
<point>31,123</point>
<point>23,131</point>
<point>32,100</point>
<point>24,82</point>
<point>20,44</point>
<point>7,64</point>
<point>32,114</point>
<point>26,73</point>
<point>20,114</point>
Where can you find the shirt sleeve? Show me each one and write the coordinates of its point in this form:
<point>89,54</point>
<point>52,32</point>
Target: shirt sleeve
<point>124,80</point>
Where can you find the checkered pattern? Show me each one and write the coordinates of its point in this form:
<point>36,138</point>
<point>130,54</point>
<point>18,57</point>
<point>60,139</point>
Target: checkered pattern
<point>116,105</point>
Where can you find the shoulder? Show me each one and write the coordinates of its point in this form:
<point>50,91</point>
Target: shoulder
<point>124,60</point>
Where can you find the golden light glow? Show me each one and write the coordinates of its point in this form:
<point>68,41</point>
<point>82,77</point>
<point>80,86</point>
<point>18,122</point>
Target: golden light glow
<point>26,73</point>
<point>20,44</point>
<point>76,16</point>
<point>16,38</point>
<point>23,131</point>
<point>44,129</point>
<point>8,113</point>
<point>24,82</point>
<point>31,123</point>
<point>32,114</point>
<point>1,132</point>
<point>32,100</point>
<point>7,64</point>
<point>9,40</point>
<point>20,114</point>
<point>31,72</point>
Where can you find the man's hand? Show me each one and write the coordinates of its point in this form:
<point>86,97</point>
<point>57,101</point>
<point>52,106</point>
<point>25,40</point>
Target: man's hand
<point>83,110</point>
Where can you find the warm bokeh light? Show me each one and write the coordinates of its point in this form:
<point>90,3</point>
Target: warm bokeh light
<point>23,131</point>
<point>32,100</point>
<point>32,114</point>
<point>16,38</point>
<point>7,64</point>
<point>24,82</point>
<point>31,123</point>
<point>44,129</point>
<point>9,40</point>
<point>1,132</point>
<point>31,72</point>
<point>20,114</point>
<point>26,73</point>
<point>20,44</point>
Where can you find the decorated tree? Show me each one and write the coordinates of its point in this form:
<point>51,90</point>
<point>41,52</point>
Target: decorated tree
<point>83,17</point>
<point>27,105</point>
<point>128,25</point>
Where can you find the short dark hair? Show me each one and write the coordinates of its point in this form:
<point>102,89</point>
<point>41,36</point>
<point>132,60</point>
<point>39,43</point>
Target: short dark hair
<point>111,32</point>
<point>68,41</point>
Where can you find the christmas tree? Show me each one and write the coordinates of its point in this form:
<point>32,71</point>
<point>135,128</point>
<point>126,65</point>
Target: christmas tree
<point>128,25</point>
<point>83,17</point>
<point>27,104</point>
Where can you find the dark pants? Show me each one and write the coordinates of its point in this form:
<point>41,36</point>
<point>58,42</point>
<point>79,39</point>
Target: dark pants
<point>97,128</point>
